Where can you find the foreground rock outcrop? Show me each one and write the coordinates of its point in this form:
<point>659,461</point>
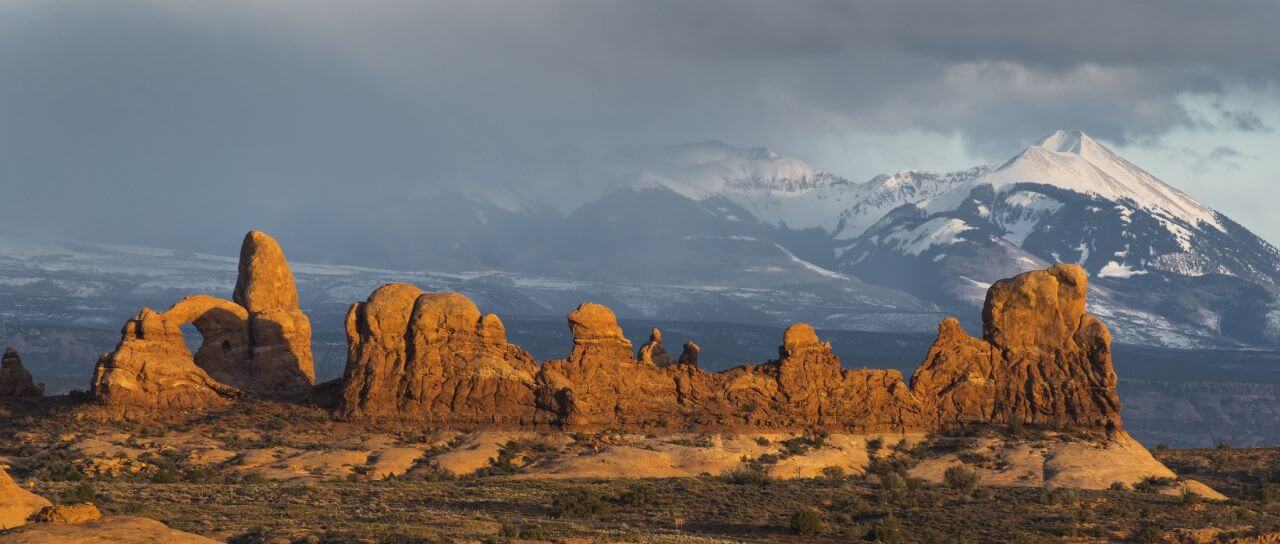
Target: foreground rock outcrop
<point>1042,360</point>
<point>15,381</point>
<point>16,503</point>
<point>260,343</point>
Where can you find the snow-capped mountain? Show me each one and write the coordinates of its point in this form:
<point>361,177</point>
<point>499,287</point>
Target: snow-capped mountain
<point>1070,199</point>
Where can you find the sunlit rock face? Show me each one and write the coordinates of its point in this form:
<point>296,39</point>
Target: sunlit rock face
<point>433,356</point>
<point>260,343</point>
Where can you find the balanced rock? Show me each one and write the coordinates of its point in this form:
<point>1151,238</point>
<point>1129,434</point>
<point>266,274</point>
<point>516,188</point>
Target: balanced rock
<point>16,503</point>
<point>1041,359</point>
<point>435,357</point>
<point>15,381</point>
<point>652,351</point>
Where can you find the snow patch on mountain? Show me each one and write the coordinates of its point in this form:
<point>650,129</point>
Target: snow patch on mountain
<point>941,231</point>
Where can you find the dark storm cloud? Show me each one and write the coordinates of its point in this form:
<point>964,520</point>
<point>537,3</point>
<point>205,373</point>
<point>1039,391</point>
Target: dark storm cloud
<point>171,122</point>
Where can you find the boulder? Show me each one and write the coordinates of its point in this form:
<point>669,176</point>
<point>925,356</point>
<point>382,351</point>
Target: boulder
<point>15,381</point>
<point>652,352</point>
<point>16,503</point>
<point>435,357</point>
<point>67,513</point>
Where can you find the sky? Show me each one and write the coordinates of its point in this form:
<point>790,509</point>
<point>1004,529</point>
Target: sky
<point>171,123</point>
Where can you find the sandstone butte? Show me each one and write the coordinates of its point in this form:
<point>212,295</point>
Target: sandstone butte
<point>434,357</point>
<point>15,381</point>
<point>259,342</point>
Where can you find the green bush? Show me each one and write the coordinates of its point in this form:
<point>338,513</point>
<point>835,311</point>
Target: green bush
<point>578,503</point>
<point>82,492</point>
<point>806,522</point>
<point>959,477</point>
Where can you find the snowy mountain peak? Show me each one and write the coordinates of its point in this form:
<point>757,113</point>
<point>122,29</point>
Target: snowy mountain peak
<point>1068,141</point>
<point>1072,160</point>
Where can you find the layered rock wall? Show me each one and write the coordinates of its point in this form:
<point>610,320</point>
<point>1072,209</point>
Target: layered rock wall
<point>432,357</point>
<point>259,343</point>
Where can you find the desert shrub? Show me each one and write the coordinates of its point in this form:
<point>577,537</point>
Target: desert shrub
<point>505,463</point>
<point>1118,486</point>
<point>874,445</point>
<point>892,481</point>
<point>1162,446</point>
<point>805,522</point>
<point>833,473</point>
<point>578,503</point>
<point>760,440</point>
<point>1268,493</point>
<point>1016,426</point>
<point>639,495</point>
<point>534,532</point>
<point>1224,445</point>
<point>958,477</point>
<point>82,492</point>
<point>747,475</point>
<point>886,530</point>
<point>165,476</point>
<point>1148,535</point>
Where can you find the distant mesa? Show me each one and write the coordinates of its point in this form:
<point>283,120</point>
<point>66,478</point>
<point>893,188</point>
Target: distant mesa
<point>259,343</point>
<point>15,381</point>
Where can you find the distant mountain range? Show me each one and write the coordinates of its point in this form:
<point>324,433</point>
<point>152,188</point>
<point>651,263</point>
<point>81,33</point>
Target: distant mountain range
<point>711,232</point>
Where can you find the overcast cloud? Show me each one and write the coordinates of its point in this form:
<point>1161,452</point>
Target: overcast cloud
<point>175,122</point>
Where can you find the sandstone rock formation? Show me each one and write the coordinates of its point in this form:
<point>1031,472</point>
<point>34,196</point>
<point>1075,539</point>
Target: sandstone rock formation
<point>16,503</point>
<point>652,351</point>
<point>15,381</point>
<point>259,343</point>
<point>434,357</point>
<point>689,355</point>
<point>151,367</point>
<point>1041,359</point>
<point>280,333</point>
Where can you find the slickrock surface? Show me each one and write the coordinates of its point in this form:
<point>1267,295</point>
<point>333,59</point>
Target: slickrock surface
<point>108,530</point>
<point>260,343</point>
<point>16,503</point>
<point>434,356</point>
<point>15,381</point>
